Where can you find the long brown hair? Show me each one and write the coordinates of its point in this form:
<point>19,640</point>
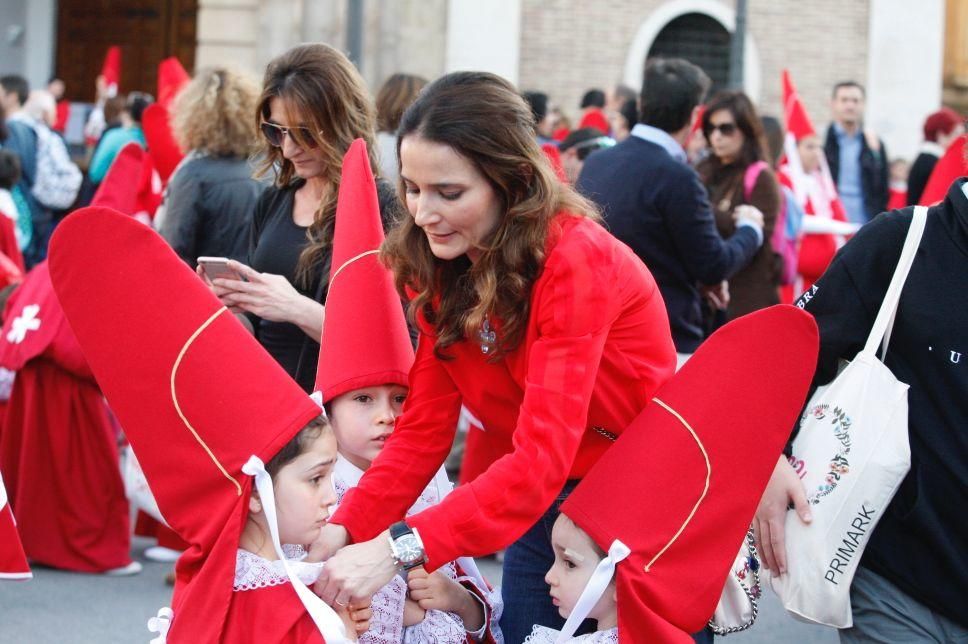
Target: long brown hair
<point>394,97</point>
<point>747,121</point>
<point>327,94</point>
<point>483,118</point>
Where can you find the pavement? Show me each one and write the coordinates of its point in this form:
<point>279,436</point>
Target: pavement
<point>72,608</point>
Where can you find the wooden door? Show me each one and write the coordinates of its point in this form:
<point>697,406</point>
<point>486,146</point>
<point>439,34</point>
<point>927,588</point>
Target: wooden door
<point>147,31</point>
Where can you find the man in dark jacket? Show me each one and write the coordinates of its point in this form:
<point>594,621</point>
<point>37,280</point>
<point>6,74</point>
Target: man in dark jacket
<point>654,202</point>
<point>857,158</point>
<point>906,588</point>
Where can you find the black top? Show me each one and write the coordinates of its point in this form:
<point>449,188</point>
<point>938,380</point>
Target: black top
<point>208,208</point>
<point>275,245</point>
<point>658,206</point>
<point>918,176</point>
<point>919,544</point>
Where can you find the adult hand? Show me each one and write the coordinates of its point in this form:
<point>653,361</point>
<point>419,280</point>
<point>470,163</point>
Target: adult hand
<point>271,297</point>
<point>718,295</point>
<point>747,214</point>
<point>217,291</point>
<point>331,538</point>
<point>768,525</point>
<point>357,572</point>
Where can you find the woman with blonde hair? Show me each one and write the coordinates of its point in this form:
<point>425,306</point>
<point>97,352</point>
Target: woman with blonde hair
<point>211,195</point>
<point>313,105</point>
<point>532,316</point>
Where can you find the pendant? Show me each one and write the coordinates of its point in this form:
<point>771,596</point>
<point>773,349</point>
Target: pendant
<point>487,337</point>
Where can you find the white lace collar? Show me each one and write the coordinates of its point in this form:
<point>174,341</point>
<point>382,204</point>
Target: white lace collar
<point>253,572</point>
<point>346,472</point>
<point>545,635</point>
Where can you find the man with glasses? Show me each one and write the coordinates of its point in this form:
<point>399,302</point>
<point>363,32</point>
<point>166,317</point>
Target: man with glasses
<point>654,202</point>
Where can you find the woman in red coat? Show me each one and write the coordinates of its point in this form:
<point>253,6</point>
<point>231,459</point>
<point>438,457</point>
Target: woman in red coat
<point>547,329</point>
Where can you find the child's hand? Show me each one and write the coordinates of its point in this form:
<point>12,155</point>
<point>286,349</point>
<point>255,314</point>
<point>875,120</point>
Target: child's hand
<point>412,613</point>
<point>437,591</point>
<point>356,617</point>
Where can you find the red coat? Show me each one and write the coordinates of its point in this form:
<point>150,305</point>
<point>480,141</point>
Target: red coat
<point>597,346</point>
<point>58,451</point>
<point>271,615</point>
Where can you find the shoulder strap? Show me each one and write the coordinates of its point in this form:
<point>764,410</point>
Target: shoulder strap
<point>750,176</point>
<point>884,322</point>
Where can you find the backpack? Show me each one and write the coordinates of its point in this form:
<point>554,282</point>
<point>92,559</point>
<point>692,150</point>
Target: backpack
<point>787,226</point>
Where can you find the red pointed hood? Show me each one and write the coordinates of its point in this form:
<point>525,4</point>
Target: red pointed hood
<point>171,78</point>
<point>194,391</point>
<point>795,115</point>
<point>111,69</point>
<point>162,146</point>
<point>13,561</point>
<point>119,189</point>
<point>681,484</point>
<point>949,167</point>
<point>365,340</point>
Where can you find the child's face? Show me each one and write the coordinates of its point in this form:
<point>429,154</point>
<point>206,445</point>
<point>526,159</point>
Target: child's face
<point>304,492</point>
<point>575,561</point>
<point>363,419</point>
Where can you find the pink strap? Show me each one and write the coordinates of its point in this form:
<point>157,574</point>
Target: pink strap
<point>750,177</point>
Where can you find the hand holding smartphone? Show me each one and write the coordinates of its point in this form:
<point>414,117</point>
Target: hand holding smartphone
<point>218,268</point>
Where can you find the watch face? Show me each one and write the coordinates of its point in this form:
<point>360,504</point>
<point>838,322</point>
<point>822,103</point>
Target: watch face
<point>408,549</point>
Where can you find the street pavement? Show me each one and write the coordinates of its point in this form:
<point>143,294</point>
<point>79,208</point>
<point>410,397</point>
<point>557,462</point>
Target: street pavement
<point>70,608</point>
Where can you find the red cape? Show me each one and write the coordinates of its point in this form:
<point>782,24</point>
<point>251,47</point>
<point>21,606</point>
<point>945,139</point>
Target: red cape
<point>268,616</point>
<point>57,449</point>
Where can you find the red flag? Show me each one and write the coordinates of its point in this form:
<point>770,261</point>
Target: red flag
<point>111,69</point>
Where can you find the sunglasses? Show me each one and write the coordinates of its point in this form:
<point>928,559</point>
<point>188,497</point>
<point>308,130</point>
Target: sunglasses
<point>301,136</point>
<point>726,129</point>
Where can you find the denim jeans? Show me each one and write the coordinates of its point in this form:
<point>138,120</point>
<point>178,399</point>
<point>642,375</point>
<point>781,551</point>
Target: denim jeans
<point>525,593</point>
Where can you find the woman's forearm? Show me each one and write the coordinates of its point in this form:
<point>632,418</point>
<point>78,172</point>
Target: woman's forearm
<point>308,315</point>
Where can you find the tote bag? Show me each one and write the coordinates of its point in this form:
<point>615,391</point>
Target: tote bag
<point>851,453</point>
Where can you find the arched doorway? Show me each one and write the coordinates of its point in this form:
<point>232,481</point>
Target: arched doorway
<point>700,39</point>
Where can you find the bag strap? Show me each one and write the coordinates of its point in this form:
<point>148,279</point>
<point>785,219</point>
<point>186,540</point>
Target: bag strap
<point>750,176</point>
<point>884,322</point>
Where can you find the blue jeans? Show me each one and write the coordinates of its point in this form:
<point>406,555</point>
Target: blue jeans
<point>523,588</point>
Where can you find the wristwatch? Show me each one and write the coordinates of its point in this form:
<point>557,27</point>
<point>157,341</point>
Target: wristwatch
<point>406,548</point>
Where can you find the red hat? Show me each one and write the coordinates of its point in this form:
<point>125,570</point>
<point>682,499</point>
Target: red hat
<point>595,118</point>
<point>13,561</point>
<point>197,396</point>
<point>365,340</point>
<point>949,167</point>
<point>161,142</point>
<point>119,189</point>
<point>794,113</point>
<point>692,467</point>
<point>171,78</point>
<point>553,154</point>
<point>111,69</point>
<point>941,122</point>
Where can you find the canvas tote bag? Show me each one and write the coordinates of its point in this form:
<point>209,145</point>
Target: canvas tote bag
<point>851,453</point>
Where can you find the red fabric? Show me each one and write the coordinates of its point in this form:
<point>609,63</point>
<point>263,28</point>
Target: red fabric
<point>162,145</point>
<point>896,198</point>
<point>57,447</point>
<point>591,357</point>
<point>479,454</point>
<point>111,69</point>
<point>171,78</point>
<point>560,134</point>
<point>650,491</point>
<point>115,277</point>
<point>8,244</point>
<point>269,615</point>
<point>119,188</point>
<point>147,526</point>
<point>697,124</point>
<point>554,157</point>
<point>950,166</point>
<point>13,561</point>
<point>798,122</point>
<point>595,118</point>
<point>150,192</point>
<point>365,339</point>
<point>63,113</point>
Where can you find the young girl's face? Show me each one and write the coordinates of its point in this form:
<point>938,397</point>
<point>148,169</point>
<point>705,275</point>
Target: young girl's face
<point>363,419</point>
<point>304,491</point>
<point>575,560</point>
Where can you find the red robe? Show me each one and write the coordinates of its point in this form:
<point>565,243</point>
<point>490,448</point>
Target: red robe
<point>57,449</point>
<point>271,615</point>
<point>596,346</point>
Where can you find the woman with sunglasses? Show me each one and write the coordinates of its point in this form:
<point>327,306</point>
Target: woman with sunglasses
<point>314,104</point>
<point>735,173</point>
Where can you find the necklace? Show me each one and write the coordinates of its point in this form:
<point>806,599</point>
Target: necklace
<point>487,337</point>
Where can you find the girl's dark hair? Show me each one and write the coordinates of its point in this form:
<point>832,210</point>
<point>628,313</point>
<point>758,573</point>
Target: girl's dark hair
<point>9,169</point>
<point>744,114</point>
<point>315,428</point>
<point>3,125</point>
<point>481,117</point>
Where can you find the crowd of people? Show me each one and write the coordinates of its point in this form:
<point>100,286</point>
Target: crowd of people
<point>370,274</point>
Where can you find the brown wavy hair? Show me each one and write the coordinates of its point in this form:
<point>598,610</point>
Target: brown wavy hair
<point>213,113</point>
<point>326,94</point>
<point>394,97</point>
<point>483,118</point>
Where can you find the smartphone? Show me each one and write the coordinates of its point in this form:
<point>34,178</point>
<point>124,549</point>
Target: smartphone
<point>218,267</point>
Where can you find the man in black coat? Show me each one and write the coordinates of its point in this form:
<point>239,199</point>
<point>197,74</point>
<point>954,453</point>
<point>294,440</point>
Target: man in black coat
<point>654,202</point>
